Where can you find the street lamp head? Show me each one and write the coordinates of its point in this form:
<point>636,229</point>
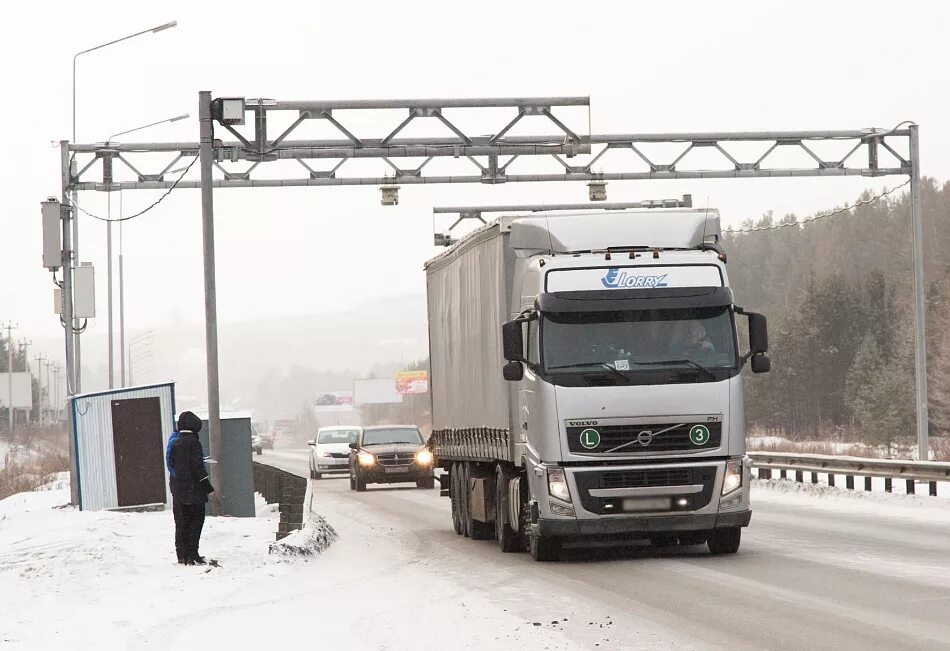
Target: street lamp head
<point>162,28</point>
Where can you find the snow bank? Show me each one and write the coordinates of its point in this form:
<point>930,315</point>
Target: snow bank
<point>315,536</point>
<point>879,505</point>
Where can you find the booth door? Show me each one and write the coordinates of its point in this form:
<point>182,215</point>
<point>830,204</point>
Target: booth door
<point>139,457</point>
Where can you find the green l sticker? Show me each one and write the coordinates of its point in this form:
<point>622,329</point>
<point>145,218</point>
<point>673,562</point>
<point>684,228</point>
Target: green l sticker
<point>699,435</point>
<point>590,438</point>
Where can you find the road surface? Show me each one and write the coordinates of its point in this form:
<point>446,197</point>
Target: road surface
<point>808,576</point>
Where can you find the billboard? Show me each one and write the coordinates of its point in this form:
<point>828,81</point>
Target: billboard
<point>409,382</point>
<point>22,390</point>
<point>379,391</point>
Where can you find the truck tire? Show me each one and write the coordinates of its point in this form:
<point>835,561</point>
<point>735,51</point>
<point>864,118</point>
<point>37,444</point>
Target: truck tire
<point>476,530</point>
<point>455,499</point>
<point>360,483</point>
<point>725,541</point>
<point>509,540</point>
<point>544,549</point>
<point>463,498</point>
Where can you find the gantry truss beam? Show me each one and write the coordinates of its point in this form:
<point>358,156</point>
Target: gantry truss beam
<point>495,158</point>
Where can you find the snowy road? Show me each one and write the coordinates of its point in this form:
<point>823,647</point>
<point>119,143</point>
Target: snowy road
<point>842,573</point>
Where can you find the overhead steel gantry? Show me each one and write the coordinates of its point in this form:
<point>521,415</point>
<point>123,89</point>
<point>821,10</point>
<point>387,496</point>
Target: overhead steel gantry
<point>497,158</point>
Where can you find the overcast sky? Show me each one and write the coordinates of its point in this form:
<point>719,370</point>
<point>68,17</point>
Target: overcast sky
<point>671,66</point>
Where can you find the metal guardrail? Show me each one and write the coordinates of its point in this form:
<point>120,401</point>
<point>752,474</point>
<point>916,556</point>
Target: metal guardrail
<point>912,472</point>
<point>288,489</point>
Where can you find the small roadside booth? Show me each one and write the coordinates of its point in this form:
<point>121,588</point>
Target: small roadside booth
<point>235,466</point>
<point>120,438</point>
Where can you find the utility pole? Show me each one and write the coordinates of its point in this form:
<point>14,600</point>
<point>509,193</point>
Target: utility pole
<point>206,155</point>
<point>10,327</point>
<point>24,352</point>
<point>39,380</point>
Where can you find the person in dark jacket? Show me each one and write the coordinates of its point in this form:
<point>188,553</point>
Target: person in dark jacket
<point>190,486</point>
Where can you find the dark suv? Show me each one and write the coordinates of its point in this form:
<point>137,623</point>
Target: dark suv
<point>388,454</point>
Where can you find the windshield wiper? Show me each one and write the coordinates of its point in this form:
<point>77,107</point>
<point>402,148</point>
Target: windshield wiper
<point>605,365</point>
<point>698,367</point>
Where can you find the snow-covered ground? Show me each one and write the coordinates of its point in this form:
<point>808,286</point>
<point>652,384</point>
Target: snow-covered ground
<point>104,580</point>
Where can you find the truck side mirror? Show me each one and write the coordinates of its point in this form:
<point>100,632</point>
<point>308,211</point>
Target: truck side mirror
<point>758,333</point>
<point>761,363</point>
<point>513,341</point>
<point>513,371</point>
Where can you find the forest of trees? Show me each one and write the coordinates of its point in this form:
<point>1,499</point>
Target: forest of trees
<point>839,296</point>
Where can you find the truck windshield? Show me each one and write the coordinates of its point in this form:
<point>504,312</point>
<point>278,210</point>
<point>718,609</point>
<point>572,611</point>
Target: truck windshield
<point>689,339</point>
<point>391,435</point>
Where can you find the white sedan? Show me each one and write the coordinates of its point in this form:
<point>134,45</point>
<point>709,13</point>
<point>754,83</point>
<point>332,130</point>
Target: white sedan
<point>330,451</point>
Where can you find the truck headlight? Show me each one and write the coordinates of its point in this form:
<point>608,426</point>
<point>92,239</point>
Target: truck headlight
<point>557,484</point>
<point>423,457</point>
<point>733,477</point>
<point>366,459</point>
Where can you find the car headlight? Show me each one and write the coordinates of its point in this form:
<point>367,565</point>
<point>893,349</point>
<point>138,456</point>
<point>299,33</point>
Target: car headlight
<point>366,459</point>
<point>423,457</point>
<point>557,484</point>
<point>325,454</point>
<point>733,478</point>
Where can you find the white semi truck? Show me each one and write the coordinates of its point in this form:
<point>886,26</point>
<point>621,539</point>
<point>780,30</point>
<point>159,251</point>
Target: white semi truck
<point>586,381</point>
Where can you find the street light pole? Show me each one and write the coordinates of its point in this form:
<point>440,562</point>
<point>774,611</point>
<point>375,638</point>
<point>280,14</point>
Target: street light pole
<point>109,259</point>
<point>206,134</point>
<point>74,323</point>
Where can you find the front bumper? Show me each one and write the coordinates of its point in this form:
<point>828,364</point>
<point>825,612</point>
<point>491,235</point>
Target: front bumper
<point>327,468</point>
<point>631,526</point>
<point>378,474</point>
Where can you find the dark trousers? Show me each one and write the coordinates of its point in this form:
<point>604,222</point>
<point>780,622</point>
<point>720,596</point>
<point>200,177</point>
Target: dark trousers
<point>189,520</point>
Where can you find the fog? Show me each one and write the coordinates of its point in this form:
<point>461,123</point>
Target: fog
<point>326,279</point>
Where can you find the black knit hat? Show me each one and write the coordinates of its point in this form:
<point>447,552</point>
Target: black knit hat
<point>188,421</point>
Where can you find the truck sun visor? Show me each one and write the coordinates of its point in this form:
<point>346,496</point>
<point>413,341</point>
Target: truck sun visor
<point>621,300</point>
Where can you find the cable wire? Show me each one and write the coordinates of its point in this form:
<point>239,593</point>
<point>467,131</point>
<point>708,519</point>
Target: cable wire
<point>814,218</point>
<point>142,212</point>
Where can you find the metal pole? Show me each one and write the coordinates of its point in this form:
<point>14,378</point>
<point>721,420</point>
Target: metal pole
<point>109,290</point>
<point>121,302</point>
<point>920,306</point>
<point>211,312</point>
<point>67,313</point>
<point>10,414</point>
<point>39,381</point>
<point>77,345</point>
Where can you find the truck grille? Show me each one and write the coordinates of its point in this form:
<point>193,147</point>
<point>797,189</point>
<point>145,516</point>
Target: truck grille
<point>644,478</point>
<point>633,438</point>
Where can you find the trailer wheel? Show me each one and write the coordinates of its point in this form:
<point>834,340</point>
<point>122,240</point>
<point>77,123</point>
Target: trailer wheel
<point>454,498</point>
<point>544,549</point>
<point>476,530</point>
<point>725,541</point>
<point>508,539</point>
<point>460,469</point>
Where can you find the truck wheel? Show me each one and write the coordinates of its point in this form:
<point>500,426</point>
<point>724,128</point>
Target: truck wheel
<point>463,498</point>
<point>360,484</point>
<point>544,550</point>
<point>508,539</point>
<point>455,499</point>
<point>476,530</point>
<point>725,541</point>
